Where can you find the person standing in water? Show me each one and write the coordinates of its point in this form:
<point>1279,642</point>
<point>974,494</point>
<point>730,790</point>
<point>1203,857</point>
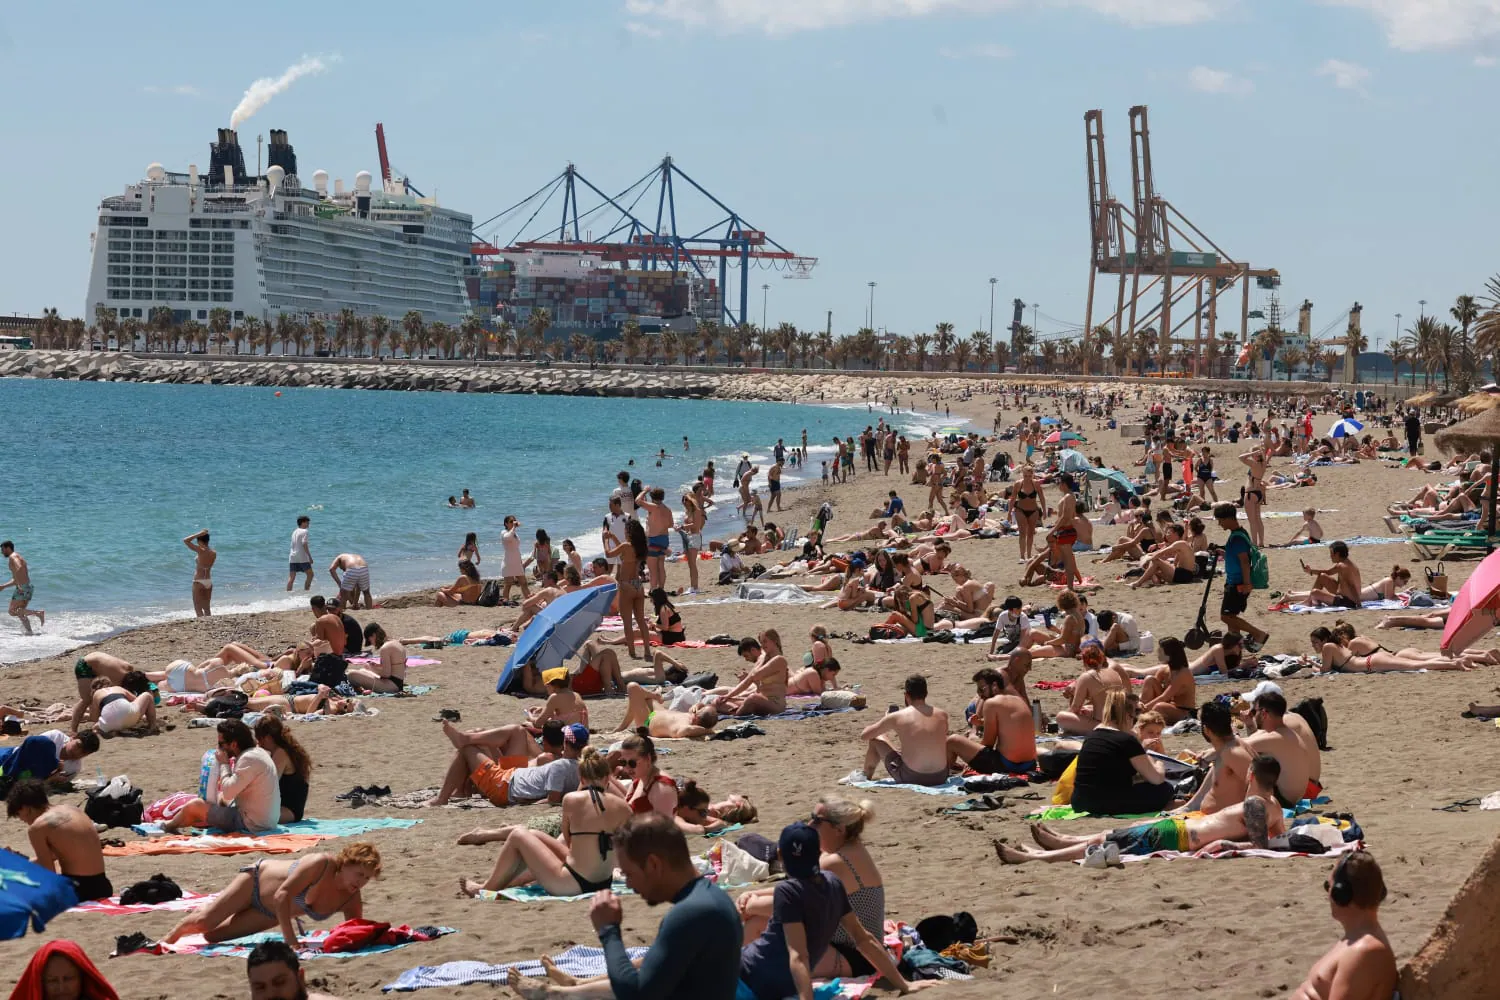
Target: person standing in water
<point>20,578</point>
<point>203,581</point>
<point>300,560</point>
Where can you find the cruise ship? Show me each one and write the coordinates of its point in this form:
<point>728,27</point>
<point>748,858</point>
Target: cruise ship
<point>264,246</point>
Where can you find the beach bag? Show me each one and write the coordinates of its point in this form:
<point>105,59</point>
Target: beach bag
<point>229,705</point>
<point>1311,710</point>
<point>1437,581</point>
<point>1062,795</point>
<point>115,805</point>
<point>330,669</point>
<point>153,891</point>
<point>887,632</point>
<point>489,597</point>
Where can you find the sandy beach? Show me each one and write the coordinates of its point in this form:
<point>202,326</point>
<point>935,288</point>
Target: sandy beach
<point>1242,928</point>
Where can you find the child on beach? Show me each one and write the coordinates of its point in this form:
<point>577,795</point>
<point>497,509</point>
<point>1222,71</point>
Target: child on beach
<point>825,473</point>
<point>1309,528</point>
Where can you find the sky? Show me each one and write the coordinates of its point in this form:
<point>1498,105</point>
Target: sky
<point>925,145</point>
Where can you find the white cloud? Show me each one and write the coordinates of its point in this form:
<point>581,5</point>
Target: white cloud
<point>1484,62</point>
<point>1432,24</point>
<point>1345,75</point>
<point>178,90</point>
<point>983,51</point>
<point>1218,81</point>
<point>642,30</point>
<point>781,17</point>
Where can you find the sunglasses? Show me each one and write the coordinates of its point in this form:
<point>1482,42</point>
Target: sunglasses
<point>816,820</point>
<point>630,763</point>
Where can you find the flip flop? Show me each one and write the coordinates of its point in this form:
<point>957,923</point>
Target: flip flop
<point>983,803</point>
<point>447,715</point>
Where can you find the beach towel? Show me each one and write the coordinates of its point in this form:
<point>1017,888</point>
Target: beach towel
<point>536,894</point>
<point>1063,814</point>
<point>323,829</point>
<point>1294,513</point>
<point>276,843</point>
<point>308,946</point>
<point>1356,540</point>
<point>953,786</point>
<point>1088,581</point>
<point>187,901</point>
<point>580,960</point>
<point>1400,604</point>
<point>418,798</point>
<point>1250,852</point>
<point>797,714</point>
<point>411,661</point>
<point>251,718</point>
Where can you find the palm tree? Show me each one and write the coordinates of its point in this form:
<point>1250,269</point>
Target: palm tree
<point>218,326</point>
<point>630,340</point>
<point>578,346</point>
<point>317,332</point>
<point>922,341</point>
<point>250,330</point>
<point>1290,358</point>
<point>414,332</point>
<point>1048,354</point>
<point>825,347</point>
<point>76,335</point>
<point>1267,343</point>
<point>805,343</point>
<point>49,329</point>
<point>1328,360</point>
<point>537,325</point>
<point>1464,311</point>
<point>942,341</point>
<point>160,321</point>
<point>708,338</point>
<point>1002,355</point>
<point>106,321</point>
<point>380,332</point>
<point>286,331</point>
<point>962,350</point>
<point>1426,338</point>
<point>504,337</point>
<point>1397,351</point>
<point>671,346</point>
<point>1022,343</point>
<point>471,334</point>
<point>444,337</point>
<point>343,327</point>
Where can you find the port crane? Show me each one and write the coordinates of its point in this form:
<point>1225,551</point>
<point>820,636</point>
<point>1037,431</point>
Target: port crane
<point>387,183</point>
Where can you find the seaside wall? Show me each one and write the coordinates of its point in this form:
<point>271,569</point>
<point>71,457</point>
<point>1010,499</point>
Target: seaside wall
<point>1461,958</point>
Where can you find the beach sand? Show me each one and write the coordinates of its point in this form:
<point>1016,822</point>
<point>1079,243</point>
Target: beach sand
<point>1241,928</point>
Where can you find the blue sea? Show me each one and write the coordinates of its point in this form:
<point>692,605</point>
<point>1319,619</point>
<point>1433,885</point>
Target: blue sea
<point>103,480</point>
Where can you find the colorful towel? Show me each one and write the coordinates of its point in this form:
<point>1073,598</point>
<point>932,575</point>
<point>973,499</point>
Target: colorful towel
<point>536,894</point>
<point>276,843</point>
<point>323,829</point>
<point>188,901</point>
<point>1251,852</point>
<point>1311,609</point>
<point>733,828</point>
<point>953,786</point>
<point>579,960</point>
<point>1063,814</point>
<point>308,946</point>
<point>1356,540</point>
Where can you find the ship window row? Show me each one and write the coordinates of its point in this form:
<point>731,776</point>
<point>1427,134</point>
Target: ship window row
<point>225,285</point>
<point>222,297</point>
<point>216,224</point>
<point>171,283</point>
<point>143,258</point>
<point>116,220</point>
<point>119,258</point>
<point>171,234</point>
<point>226,259</point>
<point>119,244</point>
<point>198,297</point>
<point>119,269</point>
<point>171,272</point>
<point>198,283</point>
<point>222,272</point>
<point>198,272</point>
<point>171,258</point>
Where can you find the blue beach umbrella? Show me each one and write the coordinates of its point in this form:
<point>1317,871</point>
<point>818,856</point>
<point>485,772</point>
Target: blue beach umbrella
<point>1069,460</point>
<point>1049,421</point>
<point>1347,427</point>
<point>557,631</point>
<point>1114,477</point>
<point>30,894</point>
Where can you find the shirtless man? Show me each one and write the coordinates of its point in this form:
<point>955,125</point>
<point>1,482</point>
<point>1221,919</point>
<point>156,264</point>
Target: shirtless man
<point>1246,824</point>
<point>1172,562</point>
<point>1229,771</point>
<point>1361,966</point>
<point>354,581</point>
<point>1339,585</point>
<point>762,691</point>
<point>875,532</point>
<point>20,578</point>
<point>276,974</point>
<point>691,533</point>
<point>1288,738</point>
<point>658,532</point>
<point>923,731</point>
<point>63,837</point>
<point>203,582</point>
<point>88,668</point>
<point>1065,532</point>
<point>327,627</point>
<point>1007,734</point>
<point>545,595</point>
<point>118,707</point>
<point>663,722</point>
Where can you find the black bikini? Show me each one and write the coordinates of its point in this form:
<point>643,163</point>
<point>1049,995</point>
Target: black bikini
<point>606,846</point>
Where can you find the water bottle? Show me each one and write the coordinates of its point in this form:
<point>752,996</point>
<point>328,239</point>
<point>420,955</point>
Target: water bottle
<point>1038,717</point>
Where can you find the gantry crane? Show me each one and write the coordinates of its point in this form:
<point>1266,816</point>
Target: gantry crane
<point>1155,250</point>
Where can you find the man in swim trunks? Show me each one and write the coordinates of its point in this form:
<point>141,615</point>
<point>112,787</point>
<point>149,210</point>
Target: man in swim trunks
<point>689,716</point>
<point>355,579</point>
<point>300,560</point>
<point>63,837</point>
<point>1174,562</point>
<point>1361,966</point>
<point>20,578</point>
<point>773,483</point>
<point>1229,773</point>
<point>88,668</point>
<point>1250,823</point>
<point>658,533</point>
<point>1339,585</point>
<point>512,779</point>
<point>1287,737</point>
<point>327,627</point>
<point>1003,723</point>
<point>923,733</point>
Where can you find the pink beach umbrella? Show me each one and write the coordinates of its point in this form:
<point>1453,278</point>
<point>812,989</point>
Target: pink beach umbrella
<point>1474,608</point>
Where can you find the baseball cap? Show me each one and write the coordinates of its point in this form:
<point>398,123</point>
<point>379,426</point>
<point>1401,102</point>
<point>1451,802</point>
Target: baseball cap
<point>553,675</point>
<point>799,850</point>
<point>576,734</point>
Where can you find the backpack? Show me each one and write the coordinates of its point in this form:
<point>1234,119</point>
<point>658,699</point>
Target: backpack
<point>883,631</point>
<point>1260,568</point>
<point>154,890</point>
<point>117,809</point>
<point>1312,711</point>
<point>329,669</point>
<point>489,597</point>
<point>229,705</point>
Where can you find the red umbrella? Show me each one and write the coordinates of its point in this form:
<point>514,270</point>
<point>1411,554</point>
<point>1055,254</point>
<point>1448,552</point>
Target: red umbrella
<point>1474,608</point>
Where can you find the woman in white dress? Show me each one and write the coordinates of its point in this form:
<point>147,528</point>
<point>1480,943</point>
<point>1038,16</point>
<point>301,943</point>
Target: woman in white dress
<point>512,566</point>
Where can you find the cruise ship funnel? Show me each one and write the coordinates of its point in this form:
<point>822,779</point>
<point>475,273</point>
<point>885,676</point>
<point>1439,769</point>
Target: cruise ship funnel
<point>226,153</point>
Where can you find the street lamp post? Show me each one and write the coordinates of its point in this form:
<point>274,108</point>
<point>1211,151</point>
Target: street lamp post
<point>765,295</point>
<point>992,322</point>
<point>1394,341</point>
<point>1034,309</point>
<point>1422,307</point>
<point>871,322</point>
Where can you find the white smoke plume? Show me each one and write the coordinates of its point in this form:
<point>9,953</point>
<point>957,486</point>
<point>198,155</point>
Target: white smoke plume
<point>261,91</point>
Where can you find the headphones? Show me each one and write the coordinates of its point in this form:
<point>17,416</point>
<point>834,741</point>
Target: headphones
<point>1341,890</point>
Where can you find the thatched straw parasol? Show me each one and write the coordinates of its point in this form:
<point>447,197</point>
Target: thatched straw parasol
<point>1476,434</point>
<point>1421,398</point>
<point>1478,402</point>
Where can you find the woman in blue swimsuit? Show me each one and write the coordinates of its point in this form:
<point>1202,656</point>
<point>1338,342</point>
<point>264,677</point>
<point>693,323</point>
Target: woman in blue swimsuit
<point>270,893</point>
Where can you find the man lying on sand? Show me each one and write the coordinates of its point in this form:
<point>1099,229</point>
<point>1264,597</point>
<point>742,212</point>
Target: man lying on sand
<point>501,764</point>
<point>687,713</point>
<point>1250,823</point>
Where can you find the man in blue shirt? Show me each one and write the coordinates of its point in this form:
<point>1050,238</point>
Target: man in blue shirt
<point>893,507</point>
<point>1236,552</point>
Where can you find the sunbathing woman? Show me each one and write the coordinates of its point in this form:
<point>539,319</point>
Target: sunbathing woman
<point>911,611</point>
<point>274,893</point>
<point>1387,587</point>
<point>853,595</point>
<point>1438,618</point>
<point>815,680</point>
<point>1337,659</point>
<point>1136,540</point>
<point>695,814</point>
<point>1345,635</point>
<point>322,703</point>
<point>1074,628</point>
<point>464,590</point>
<point>581,860</point>
<point>1088,693</point>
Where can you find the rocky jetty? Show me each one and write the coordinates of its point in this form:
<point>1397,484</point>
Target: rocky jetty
<point>455,376</point>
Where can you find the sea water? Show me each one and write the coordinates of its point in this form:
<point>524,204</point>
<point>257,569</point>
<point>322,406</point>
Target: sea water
<point>103,480</point>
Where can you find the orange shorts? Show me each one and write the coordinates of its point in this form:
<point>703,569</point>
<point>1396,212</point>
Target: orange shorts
<point>587,681</point>
<point>493,778</point>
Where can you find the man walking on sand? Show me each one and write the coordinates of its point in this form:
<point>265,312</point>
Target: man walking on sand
<point>20,578</point>
<point>1361,966</point>
<point>923,732</point>
<point>300,561</point>
<point>1237,578</point>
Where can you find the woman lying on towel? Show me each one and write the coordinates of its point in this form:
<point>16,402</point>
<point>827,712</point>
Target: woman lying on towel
<point>582,861</point>
<point>271,894</point>
<point>1339,658</point>
<point>1344,634</point>
<point>696,814</point>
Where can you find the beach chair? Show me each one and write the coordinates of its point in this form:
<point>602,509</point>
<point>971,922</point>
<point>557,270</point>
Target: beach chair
<point>1452,544</point>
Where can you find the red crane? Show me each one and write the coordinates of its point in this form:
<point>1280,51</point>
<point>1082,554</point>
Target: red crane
<point>385,161</point>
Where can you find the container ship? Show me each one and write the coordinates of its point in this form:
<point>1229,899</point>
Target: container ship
<point>266,245</point>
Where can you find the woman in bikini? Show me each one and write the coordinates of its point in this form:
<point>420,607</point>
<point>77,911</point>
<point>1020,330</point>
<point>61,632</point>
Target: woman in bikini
<point>1074,628</point>
<point>1253,494</point>
<point>650,790</point>
<point>1029,505</point>
<point>271,893</point>
<point>1345,635</point>
<point>203,581</point>
<point>1387,587</point>
<point>1136,540</point>
<point>813,680</point>
<point>293,765</point>
<point>1336,658</point>
<point>696,814</point>
<point>581,860</point>
<point>469,551</point>
<point>668,622</point>
<point>465,590</point>
<point>631,578</point>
